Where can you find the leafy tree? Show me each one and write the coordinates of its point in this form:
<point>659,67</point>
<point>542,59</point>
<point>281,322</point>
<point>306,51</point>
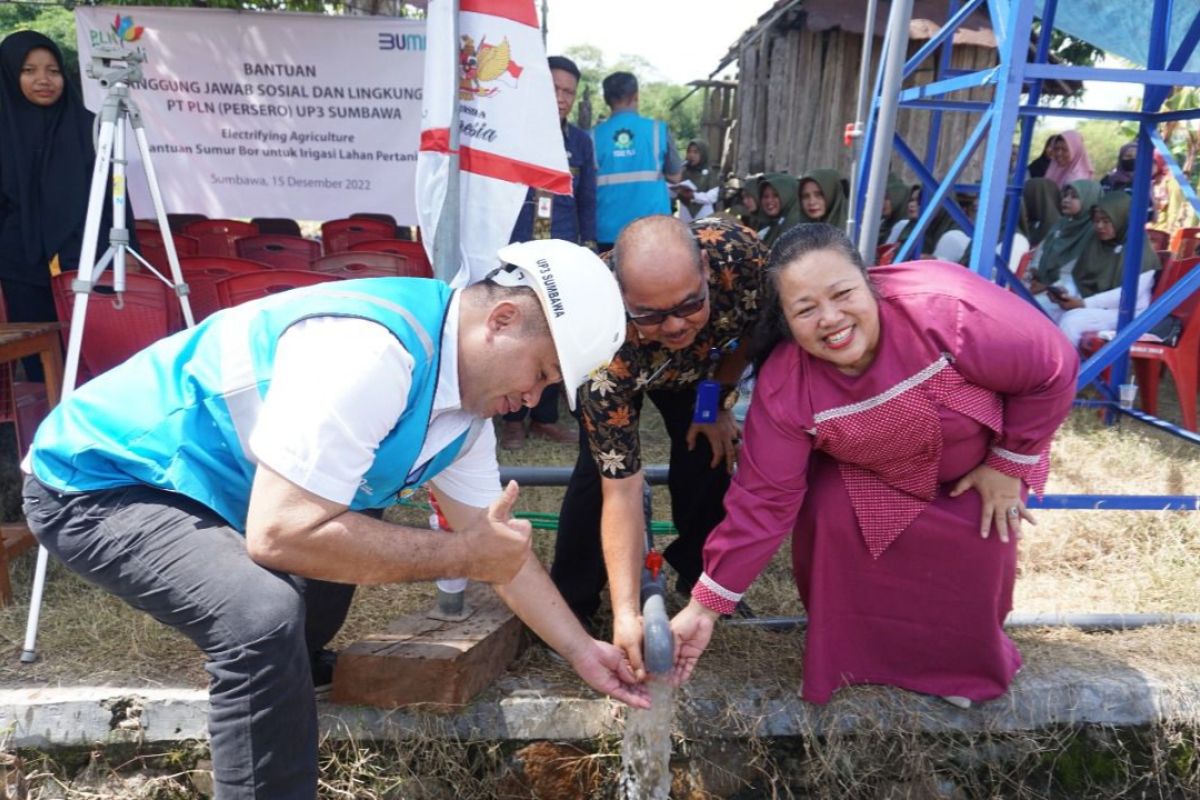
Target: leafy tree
<point>1069,50</point>
<point>56,22</point>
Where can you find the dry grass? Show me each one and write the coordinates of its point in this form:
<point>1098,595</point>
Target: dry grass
<point>1072,561</point>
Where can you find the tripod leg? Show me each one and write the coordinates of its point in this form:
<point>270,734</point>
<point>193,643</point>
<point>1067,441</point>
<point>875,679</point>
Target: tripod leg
<point>160,213</point>
<point>87,262</point>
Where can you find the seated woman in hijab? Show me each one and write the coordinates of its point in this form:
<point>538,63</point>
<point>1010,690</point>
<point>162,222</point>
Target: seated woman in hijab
<point>1042,201</point>
<point>945,240</point>
<point>823,197</point>
<point>1097,273</point>
<point>1121,177</point>
<point>954,245</point>
<point>1069,159</point>
<point>912,209</point>
<point>1054,261</point>
<point>778,205</point>
<point>46,158</point>
<point>900,418</point>
<point>1038,167</point>
<point>697,200</point>
<point>895,209</point>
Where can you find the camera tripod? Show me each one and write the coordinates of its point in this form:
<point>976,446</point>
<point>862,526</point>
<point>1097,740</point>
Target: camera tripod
<point>118,108</point>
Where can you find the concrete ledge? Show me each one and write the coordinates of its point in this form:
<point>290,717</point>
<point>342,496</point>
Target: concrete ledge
<point>515,709</point>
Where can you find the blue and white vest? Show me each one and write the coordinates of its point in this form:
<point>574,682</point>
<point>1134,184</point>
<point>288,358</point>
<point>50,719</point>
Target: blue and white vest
<point>631,151</point>
<point>179,414</point>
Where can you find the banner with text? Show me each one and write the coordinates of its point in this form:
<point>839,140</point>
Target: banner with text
<point>268,114</point>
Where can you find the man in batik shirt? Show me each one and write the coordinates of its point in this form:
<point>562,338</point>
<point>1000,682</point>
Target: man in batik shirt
<point>692,294</point>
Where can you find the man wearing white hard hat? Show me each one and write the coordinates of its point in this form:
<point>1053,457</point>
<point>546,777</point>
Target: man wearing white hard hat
<point>227,480</point>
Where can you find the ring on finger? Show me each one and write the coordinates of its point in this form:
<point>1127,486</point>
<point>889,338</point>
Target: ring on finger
<point>1014,512</point>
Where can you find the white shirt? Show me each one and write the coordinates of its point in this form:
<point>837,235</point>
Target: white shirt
<point>338,387</point>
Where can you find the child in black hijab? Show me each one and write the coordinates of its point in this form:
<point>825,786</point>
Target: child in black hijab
<point>46,158</point>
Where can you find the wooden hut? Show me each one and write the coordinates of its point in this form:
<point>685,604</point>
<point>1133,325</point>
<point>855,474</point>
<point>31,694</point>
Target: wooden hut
<point>798,86</point>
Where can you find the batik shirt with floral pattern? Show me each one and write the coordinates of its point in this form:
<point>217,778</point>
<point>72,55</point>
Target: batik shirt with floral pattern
<point>608,400</point>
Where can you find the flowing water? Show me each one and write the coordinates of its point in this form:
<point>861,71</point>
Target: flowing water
<point>646,751</point>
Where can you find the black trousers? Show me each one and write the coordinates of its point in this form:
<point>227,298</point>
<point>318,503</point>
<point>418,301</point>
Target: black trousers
<point>697,498</point>
<point>182,564</point>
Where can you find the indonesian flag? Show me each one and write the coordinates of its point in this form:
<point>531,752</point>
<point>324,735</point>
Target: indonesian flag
<point>509,133</point>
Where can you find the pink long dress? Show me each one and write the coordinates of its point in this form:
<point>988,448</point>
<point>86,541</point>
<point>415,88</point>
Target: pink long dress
<point>899,587</point>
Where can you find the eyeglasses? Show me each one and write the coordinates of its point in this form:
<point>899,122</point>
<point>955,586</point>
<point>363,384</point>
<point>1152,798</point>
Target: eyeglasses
<point>684,309</point>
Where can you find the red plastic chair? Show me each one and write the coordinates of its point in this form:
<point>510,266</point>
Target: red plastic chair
<point>1185,242</point>
<point>111,335</point>
<point>217,236</point>
<point>1159,240</point>
<point>339,234</point>
<point>238,289</point>
<point>885,253</point>
<point>140,225</point>
<point>1023,266</point>
<point>22,403</point>
<point>150,245</point>
<point>366,265</point>
<point>279,252</point>
<point>202,274</point>
<point>1182,360</point>
<point>413,251</point>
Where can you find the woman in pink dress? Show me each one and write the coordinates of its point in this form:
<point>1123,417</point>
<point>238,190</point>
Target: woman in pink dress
<point>899,420</point>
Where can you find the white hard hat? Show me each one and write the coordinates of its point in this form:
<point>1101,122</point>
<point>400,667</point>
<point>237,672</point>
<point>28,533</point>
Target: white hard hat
<point>580,298</point>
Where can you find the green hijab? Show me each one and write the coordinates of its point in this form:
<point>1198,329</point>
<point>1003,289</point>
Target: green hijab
<point>788,189</point>
<point>1042,204</point>
<point>1099,266</point>
<point>832,186</point>
<point>898,193</point>
<point>1064,242</point>
<point>753,220</point>
<point>702,175</point>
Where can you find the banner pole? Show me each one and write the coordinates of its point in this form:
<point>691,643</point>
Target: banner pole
<point>446,249</point>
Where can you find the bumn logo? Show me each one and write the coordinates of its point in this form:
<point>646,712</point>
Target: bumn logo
<point>401,41</point>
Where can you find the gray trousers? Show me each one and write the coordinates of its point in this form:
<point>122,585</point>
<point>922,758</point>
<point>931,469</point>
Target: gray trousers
<point>182,564</point>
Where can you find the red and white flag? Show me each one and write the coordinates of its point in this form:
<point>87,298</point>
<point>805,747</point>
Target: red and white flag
<point>509,133</point>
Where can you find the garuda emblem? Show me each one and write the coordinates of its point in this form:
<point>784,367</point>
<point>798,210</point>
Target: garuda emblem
<point>487,63</point>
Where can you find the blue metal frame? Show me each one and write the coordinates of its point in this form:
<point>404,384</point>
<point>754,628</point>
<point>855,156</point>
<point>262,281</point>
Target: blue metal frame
<point>1012,23</point>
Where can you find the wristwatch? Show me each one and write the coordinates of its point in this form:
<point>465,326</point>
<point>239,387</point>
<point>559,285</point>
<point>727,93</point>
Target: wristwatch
<point>729,398</point>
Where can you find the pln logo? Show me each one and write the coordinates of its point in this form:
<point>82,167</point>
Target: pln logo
<point>487,63</point>
<point>124,29</point>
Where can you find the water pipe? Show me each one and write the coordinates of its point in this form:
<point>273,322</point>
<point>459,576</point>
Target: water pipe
<point>658,646</point>
<point>1084,622</point>
<point>655,474</point>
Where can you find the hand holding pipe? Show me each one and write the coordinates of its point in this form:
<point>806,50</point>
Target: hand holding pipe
<point>658,645</point>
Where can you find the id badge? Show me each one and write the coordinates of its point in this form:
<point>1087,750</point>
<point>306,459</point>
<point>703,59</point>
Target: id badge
<point>708,395</point>
<point>544,206</point>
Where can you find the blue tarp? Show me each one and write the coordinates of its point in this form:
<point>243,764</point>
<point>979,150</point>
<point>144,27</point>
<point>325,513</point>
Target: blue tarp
<point>1123,28</point>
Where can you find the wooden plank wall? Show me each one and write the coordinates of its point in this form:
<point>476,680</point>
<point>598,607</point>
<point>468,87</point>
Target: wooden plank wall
<point>798,89</point>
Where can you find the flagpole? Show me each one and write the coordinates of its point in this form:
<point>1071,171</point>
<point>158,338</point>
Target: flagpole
<point>446,256</point>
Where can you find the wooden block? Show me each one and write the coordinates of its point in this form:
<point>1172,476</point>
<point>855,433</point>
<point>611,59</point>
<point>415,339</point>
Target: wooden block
<point>15,539</point>
<point>421,660</point>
